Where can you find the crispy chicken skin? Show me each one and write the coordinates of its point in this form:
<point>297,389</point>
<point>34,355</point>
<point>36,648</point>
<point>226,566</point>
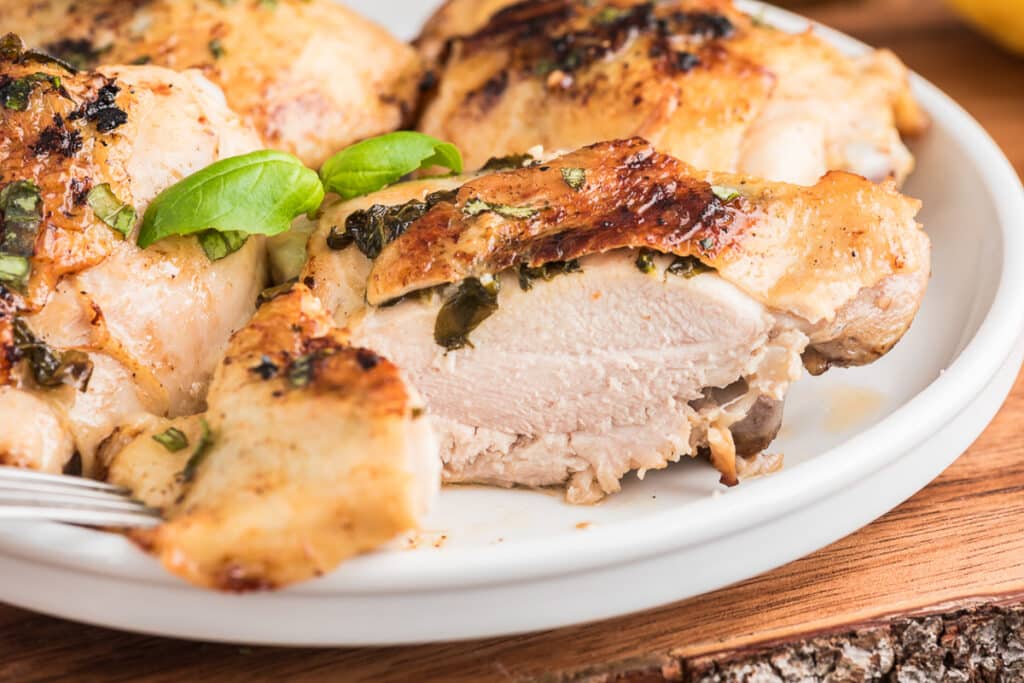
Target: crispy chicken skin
<point>317,452</point>
<point>579,377</point>
<point>311,75</point>
<point>699,79</point>
<point>153,322</point>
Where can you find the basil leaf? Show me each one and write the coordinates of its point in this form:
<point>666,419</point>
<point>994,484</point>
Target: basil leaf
<point>477,206</point>
<point>111,210</point>
<point>257,194</point>
<point>375,163</point>
<point>687,267</point>
<point>50,368</point>
<point>575,178</point>
<point>14,270</point>
<point>724,194</point>
<point>200,453</point>
<point>218,244</point>
<point>474,302</point>
<point>21,210</point>
<point>645,260</point>
<point>173,439</point>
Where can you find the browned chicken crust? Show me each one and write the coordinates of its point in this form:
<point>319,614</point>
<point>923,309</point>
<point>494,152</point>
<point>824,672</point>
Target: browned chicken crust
<point>310,75</point>
<point>316,452</point>
<point>807,251</point>
<point>698,78</point>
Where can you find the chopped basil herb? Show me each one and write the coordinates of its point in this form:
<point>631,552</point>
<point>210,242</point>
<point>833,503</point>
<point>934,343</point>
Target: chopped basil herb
<point>111,210</point>
<point>51,368</point>
<point>609,15</point>
<point>217,245</point>
<point>375,163</point>
<point>374,228</point>
<point>725,194</point>
<point>300,372</point>
<point>12,49</point>
<point>15,92</point>
<point>707,244</point>
<point>473,302</point>
<point>477,206</point>
<point>200,453</point>
<point>216,48</point>
<point>688,266</point>
<point>14,270</point>
<point>575,178</point>
<point>256,194</point>
<point>511,161</point>
<point>172,439</point>
<point>645,260</point>
<point>271,293</point>
<point>546,272</point>
<point>21,211</point>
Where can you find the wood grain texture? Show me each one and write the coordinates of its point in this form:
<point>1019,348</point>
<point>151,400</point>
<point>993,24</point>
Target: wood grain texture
<point>961,539</point>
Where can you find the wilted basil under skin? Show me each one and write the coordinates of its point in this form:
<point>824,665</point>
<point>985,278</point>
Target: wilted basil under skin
<point>546,272</point>
<point>472,303</point>
<point>50,368</point>
<point>645,260</point>
<point>374,228</point>
<point>21,211</point>
<point>687,267</point>
<point>477,206</point>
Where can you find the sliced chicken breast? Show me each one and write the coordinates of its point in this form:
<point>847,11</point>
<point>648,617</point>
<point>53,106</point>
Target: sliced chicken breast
<point>698,78</point>
<point>614,309</point>
<point>310,75</point>
<point>311,451</point>
<point>100,330</point>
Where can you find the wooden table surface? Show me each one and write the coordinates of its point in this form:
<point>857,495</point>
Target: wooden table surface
<point>957,543</point>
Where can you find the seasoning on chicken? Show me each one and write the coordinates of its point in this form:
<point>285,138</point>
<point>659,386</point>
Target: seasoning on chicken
<point>311,451</point>
<point>698,78</point>
<point>310,75</point>
<point>95,330</point>
<point>614,309</point>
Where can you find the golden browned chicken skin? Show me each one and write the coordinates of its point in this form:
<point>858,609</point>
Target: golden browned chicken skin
<point>99,330</point>
<point>613,309</point>
<point>310,75</point>
<point>311,451</point>
<point>698,78</point>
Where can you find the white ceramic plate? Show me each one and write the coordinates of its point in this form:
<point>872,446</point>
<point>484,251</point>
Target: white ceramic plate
<point>493,562</point>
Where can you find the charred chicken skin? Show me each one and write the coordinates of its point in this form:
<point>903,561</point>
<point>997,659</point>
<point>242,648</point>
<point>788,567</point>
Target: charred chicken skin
<point>614,309</point>
<point>701,80</point>
<point>310,75</point>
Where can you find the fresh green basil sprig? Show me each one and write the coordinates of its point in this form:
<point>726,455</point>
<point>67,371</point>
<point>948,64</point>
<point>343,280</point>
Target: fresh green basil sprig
<point>263,192</point>
<point>375,163</point>
<point>255,194</point>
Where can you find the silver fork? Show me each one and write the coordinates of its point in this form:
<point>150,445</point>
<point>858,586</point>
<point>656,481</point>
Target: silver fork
<point>25,494</point>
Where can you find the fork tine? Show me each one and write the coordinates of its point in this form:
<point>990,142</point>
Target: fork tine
<point>100,518</point>
<point>16,474</point>
<point>42,488</point>
<point>64,500</point>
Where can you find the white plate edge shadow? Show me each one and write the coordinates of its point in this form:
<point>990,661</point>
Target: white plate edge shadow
<point>850,462</point>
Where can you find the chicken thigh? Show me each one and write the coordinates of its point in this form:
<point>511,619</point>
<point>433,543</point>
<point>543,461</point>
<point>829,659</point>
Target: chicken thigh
<point>698,78</point>
<point>95,330</point>
<point>614,309</point>
<point>310,75</point>
<point>311,451</point>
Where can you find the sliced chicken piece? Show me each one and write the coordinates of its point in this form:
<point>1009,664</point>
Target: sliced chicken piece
<point>698,78</point>
<point>614,309</point>
<point>311,451</point>
<point>311,75</point>
<point>151,323</point>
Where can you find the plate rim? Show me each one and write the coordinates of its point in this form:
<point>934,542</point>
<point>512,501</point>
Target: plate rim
<point>966,376</point>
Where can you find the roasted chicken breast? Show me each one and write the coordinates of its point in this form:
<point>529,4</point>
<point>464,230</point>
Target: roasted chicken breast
<point>614,309</point>
<point>311,451</point>
<point>95,330</point>
<point>311,75</point>
<point>698,78</point>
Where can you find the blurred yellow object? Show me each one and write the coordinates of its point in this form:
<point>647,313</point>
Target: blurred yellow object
<point>1002,19</point>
